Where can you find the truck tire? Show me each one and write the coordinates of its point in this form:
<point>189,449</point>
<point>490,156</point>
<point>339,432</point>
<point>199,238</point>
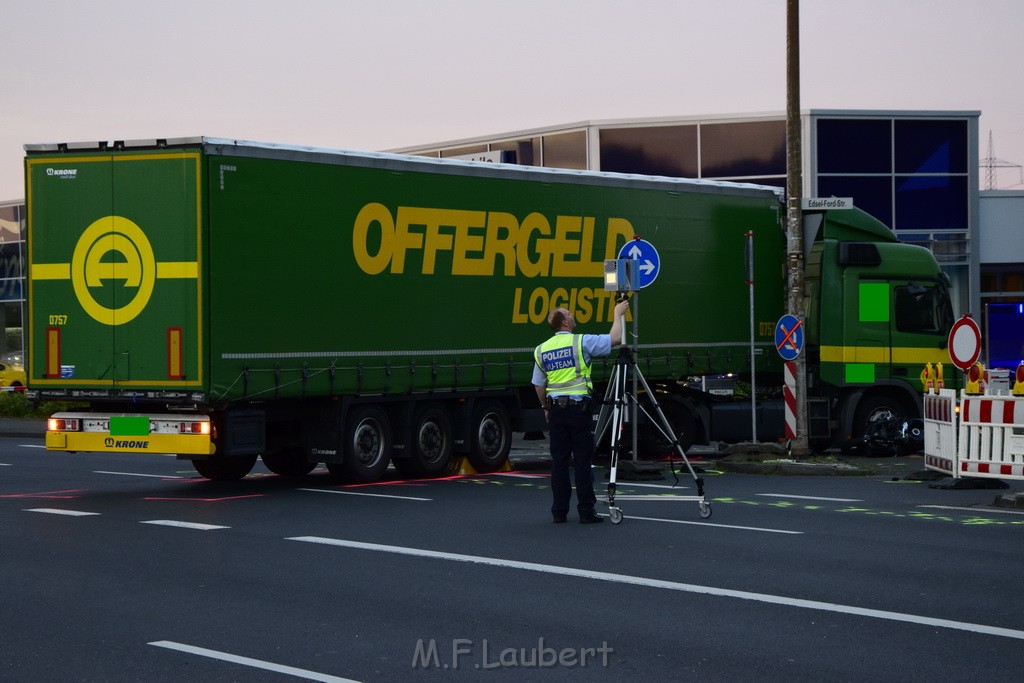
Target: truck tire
<point>490,438</point>
<point>652,444</point>
<point>367,445</point>
<point>431,443</point>
<point>225,469</point>
<point>288,462</point>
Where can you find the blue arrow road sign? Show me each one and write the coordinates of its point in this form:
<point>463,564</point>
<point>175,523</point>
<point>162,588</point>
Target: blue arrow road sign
<point>789,337</point>
<point>646,256</point>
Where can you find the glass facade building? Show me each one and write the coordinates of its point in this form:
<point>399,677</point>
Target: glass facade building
<point>12,279</point>
<point>916,171</point>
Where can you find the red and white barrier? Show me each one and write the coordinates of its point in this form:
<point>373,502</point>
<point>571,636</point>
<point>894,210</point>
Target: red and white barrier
<point>992,437</point>
<point>941,431</point>
<point>985,439</point>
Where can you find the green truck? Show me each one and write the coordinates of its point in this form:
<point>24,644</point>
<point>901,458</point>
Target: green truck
<point>227,300</point>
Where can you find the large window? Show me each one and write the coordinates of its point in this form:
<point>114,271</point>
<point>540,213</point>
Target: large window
<point>743,149</point>
<point>566,150</point>
<point>526,152</point>
<point>658,150</point>
<point>911,174</point>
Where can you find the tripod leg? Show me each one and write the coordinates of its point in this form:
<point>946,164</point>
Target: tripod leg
<point>617,392</point>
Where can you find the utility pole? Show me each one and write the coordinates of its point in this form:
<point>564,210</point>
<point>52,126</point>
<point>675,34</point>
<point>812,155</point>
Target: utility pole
<point>794,218</point>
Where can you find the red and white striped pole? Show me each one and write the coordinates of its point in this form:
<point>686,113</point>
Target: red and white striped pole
<point>790,394</point>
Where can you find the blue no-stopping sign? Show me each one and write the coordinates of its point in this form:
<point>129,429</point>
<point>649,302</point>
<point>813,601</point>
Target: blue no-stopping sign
<point>789,337</point>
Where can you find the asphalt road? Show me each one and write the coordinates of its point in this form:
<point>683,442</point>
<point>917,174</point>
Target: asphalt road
<point>121,568</point>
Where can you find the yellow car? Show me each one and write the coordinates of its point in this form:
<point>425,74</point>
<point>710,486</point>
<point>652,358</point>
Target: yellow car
<point>12,375</point>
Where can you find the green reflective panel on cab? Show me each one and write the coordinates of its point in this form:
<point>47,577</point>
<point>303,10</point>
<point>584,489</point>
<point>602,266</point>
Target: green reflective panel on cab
<point>860,373</point>
<point>874,302</point>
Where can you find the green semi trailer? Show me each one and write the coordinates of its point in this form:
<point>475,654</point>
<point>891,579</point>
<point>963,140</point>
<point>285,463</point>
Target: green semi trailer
<point>227,300</point>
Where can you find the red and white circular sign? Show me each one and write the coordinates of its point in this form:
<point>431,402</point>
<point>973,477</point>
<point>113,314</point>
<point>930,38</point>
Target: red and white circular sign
<point>964,342</point>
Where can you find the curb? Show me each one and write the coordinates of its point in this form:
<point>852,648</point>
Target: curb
<point>792,468</point>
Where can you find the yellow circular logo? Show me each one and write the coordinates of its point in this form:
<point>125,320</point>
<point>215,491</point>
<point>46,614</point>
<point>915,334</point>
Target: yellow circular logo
<point>114,248</point>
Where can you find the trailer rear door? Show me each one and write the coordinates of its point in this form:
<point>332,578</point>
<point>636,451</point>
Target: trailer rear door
<point>114,269</point>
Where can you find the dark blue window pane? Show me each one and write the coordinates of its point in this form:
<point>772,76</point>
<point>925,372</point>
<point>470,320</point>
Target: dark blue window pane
<point>931,146</point>
<point>10,290</point>
<point>931,203</point>
<point>10,260</point>
<point>873,195</point>
<point>854,146</point>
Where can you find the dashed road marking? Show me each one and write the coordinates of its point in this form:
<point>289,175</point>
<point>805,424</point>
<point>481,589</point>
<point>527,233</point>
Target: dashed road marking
<point>138,474</point>
<point>185,525</point>
<point>58,511</point>
<point>373,495</point>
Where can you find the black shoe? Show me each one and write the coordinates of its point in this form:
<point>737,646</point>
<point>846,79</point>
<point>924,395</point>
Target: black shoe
<point>559,519</point>
<point>591,519</point>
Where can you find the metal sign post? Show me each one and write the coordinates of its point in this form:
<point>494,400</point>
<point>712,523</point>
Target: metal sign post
<point>753,381</point>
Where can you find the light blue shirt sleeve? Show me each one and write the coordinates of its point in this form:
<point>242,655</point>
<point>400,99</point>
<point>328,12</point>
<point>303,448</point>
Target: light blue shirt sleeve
<point>596,345</point>
<point>540,379</point>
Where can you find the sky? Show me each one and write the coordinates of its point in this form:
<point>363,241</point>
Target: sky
<point>384,74</point>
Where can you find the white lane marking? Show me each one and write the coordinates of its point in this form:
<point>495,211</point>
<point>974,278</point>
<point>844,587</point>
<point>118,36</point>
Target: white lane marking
<point>248,661</point>
<point>136,474</point>
<point>184,525</point>
<point>671,585</point>
<point>358,493</point>
<point>721,526</point>
<point>831,500</point>
<point>5,464</point>
<point>657,496</point>
<point>32,445</point>
<point>513,475</point>
<point>57,511</point>
<point>984,511</point>
<point>628,484</point>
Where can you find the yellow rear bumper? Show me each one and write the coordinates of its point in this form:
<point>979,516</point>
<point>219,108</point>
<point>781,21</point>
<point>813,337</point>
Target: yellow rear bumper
<point>181,444</point>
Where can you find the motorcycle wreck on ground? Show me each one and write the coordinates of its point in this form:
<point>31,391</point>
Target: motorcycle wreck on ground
<point>889,436</point>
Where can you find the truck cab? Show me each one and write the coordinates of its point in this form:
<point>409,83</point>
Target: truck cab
<point>878,312</point>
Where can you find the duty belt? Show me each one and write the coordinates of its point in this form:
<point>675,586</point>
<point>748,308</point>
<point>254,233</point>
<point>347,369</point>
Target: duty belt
<point>566,401</point>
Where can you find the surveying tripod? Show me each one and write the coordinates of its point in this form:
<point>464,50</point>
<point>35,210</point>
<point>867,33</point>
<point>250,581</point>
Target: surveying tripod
<point>614,414</point>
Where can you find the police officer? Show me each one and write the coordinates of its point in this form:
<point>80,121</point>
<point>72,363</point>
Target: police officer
<point>561,376</point>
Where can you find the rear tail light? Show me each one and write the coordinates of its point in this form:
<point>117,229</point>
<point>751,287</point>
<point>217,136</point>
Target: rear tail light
<point>194,428</point>
<point>63,424</point>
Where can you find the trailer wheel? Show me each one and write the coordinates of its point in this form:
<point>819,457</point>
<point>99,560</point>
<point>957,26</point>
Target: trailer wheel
<point>490,436</point>
<point>367,445</point>
<point>432,443</point>
<point>288,462</point>
<point>225,469</point>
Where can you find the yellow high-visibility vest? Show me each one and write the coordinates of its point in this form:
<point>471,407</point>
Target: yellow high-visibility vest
<point>561,358</point>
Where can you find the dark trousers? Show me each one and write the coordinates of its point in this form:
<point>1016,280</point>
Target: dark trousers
<point>571,430</point>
